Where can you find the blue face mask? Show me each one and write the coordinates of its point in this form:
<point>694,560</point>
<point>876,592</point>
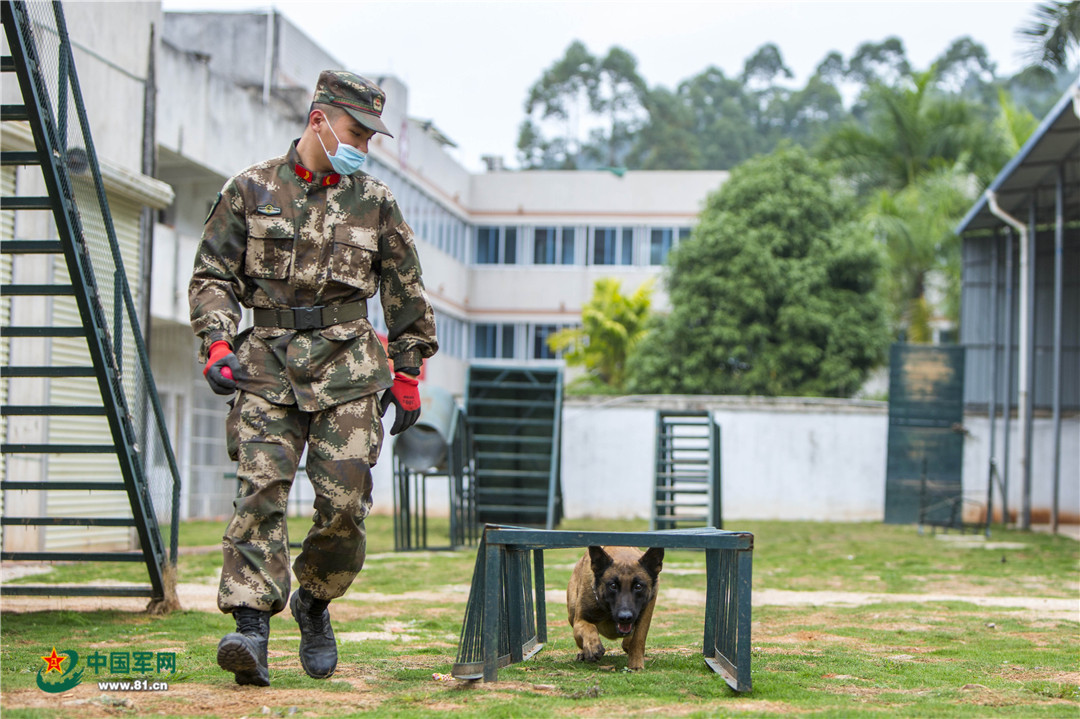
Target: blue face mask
<point>347,159</point>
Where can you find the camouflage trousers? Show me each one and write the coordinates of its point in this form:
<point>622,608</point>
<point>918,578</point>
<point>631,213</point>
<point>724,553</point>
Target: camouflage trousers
<point>267,440</point>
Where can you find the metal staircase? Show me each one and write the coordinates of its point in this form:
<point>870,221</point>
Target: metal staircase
<point>515,414</point>
<point>687,485</point>
<point>88,471</point>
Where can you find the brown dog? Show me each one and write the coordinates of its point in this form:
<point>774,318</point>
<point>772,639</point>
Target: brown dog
<point>612,592</point>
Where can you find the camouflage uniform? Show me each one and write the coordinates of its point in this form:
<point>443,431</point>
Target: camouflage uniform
<point>281,236</point>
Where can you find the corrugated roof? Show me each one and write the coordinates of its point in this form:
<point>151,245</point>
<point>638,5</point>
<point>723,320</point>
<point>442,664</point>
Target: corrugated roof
<point>1055,143</point>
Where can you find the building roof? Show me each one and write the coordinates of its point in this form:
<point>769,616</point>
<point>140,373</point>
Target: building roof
<point>1056,143</point>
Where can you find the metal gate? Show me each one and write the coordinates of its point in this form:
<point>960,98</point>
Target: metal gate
<point>926,435</point>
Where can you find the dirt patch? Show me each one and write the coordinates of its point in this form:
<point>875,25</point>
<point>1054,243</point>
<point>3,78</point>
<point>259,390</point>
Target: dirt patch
<point>203,598</point>
<point>1024,674</point>
<point>1043,607</point>
<point>87,701</point>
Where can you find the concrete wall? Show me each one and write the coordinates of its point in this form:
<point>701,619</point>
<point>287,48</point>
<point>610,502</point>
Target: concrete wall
<point>112,58</point>
<point>813,459</point>
<point>548,293</point>
<point>564,195</point>
<point>977,464</point>
<point>216,123</point>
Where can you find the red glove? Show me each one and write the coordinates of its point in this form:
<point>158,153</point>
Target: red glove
<point>221,368</point>
<point>405,394</point>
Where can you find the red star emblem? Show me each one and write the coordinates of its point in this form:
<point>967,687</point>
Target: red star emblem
<point>53,661</point>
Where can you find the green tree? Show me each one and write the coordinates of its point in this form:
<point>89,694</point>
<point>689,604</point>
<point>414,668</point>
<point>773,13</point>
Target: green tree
<point>774,293</point>
<point>611,326</point>
<point>916,226</point>
<point>667,141</point>
<point>722,117</point>
<point>759,77</point>
<point>911,130</point>
<point>1014,124</point>
<point>965,70</point>
<point>1053,34</point>
<point>814,111</point>
<point>584,111</point>
<point>879,63</point>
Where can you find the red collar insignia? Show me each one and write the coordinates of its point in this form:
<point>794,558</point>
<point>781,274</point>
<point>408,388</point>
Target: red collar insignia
<point>308,176</point>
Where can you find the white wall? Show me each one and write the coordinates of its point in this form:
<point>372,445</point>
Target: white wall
<point>113,89</point>
<point>792,459</point>
<point>548,293</point>
<point>221,126</point>
<point>564,194</point>
<point>977,464</point>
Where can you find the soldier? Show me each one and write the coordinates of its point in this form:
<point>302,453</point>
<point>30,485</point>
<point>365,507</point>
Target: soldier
<point>305,239</point>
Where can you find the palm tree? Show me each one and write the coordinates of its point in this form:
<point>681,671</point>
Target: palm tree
<point>916,225</point>
<point>1053,34</point>
<point>911,131</point>
<point>612,325</point>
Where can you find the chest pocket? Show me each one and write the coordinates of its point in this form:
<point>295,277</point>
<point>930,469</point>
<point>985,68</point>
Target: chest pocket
<point>354,261</point>
<point>269,247</point>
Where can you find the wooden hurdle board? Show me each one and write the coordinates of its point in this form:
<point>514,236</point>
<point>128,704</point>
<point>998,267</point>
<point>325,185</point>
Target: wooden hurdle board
<point>506,619</point>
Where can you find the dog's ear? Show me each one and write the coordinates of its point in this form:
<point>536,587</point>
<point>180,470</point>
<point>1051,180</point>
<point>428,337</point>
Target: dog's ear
<point>653,561</point>
<point>600,559</point>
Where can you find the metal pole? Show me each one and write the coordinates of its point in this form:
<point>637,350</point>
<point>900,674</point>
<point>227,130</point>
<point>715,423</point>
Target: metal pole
<point>1059,224</point>
<point>1008,376</point>
<point>1027,358</point>
<point>992,470</point>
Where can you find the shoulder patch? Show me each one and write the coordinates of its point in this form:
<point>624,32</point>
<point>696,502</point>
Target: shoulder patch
<point>268,209</point>
<point>212,208</point>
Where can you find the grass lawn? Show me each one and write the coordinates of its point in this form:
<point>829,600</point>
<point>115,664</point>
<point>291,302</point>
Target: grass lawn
<point>398,629</point>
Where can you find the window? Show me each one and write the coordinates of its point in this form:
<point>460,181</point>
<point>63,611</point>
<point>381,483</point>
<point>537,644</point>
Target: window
<point>662,239</point>
<point>604,240</point>
<point>508,341</point>
<point>492,341</point>
<point>659,245</point>
<point>544,239</point>
<point>553,246</point>
<point>613,246</point>
<point>568,245</point>
<point>496,245</point>
<point>540,345</point>
<point>510,245</point>
<point>487,245</point>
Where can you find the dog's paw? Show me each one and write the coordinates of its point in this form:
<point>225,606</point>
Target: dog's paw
<point>591,655</point>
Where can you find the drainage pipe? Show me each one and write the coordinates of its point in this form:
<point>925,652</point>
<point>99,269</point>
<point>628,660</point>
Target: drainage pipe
<point>1023,342</point>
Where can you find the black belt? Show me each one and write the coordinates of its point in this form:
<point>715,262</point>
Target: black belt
<point>310,318</point>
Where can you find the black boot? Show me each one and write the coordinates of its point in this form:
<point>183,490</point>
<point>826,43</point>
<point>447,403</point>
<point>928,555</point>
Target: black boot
<point>318,650</point>
<point>243,652</point>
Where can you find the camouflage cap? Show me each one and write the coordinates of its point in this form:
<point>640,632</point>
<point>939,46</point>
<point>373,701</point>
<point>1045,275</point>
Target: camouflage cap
<point>358,96</point>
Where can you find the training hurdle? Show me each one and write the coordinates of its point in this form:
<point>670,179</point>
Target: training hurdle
<point>506,621</point>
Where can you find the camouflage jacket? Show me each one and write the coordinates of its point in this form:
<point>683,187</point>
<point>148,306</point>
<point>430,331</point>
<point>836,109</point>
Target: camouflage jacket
<point>281,236</point>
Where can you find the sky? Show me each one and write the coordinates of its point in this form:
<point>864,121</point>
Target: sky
<point>469,65</point>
